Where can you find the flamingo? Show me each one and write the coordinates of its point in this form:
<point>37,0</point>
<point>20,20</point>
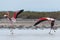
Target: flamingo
<point>46,19</point>
<point>13,18</point>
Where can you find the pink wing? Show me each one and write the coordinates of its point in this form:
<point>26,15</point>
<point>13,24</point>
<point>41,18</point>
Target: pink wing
<point>15,15</point>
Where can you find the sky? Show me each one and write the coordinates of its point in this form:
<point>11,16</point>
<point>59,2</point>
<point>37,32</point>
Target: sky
<point>30,5</point>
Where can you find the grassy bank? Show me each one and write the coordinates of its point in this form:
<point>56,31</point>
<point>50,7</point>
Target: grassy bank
<point>34,15</point>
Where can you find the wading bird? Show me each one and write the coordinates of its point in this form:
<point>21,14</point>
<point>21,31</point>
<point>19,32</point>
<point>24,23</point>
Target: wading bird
<point>46,19</point>
<point>13,19</point>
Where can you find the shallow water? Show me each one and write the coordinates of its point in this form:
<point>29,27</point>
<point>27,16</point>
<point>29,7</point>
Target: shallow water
<point>29,34</point>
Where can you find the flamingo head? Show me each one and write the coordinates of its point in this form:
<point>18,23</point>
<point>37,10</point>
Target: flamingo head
<point>5,15</point>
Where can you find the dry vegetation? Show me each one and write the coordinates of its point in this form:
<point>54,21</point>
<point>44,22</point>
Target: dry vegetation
<point>34,15</point>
